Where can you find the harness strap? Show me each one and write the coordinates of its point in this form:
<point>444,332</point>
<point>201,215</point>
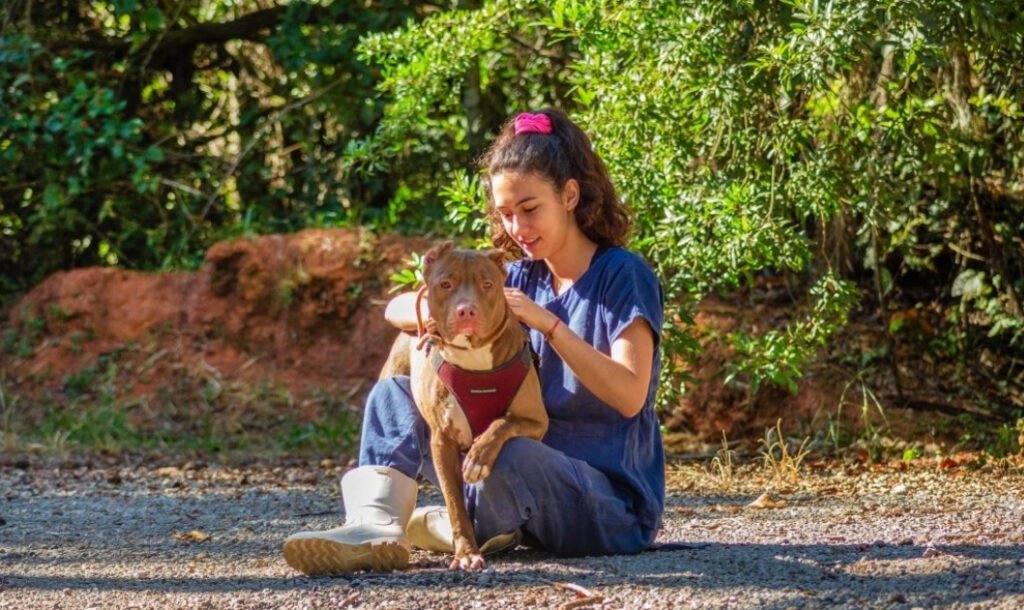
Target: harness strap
<point>484,396</point>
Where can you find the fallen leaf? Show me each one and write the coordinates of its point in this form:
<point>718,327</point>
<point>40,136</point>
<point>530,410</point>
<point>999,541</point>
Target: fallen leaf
<point>766,501</point>
<point>948,463</point>
<point>192,536</point>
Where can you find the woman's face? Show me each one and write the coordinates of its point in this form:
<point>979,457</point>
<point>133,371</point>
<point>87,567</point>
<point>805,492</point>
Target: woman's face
<point>533,212</point>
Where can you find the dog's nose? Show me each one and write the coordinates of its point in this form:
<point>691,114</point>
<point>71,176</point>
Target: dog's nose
<point>466,311</point>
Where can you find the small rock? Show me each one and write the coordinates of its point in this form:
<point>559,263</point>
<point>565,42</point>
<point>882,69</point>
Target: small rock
<point>899,489</point>
<point>898,598</point>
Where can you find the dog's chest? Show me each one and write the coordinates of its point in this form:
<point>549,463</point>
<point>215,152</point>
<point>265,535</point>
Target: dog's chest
<point>473,359</point>
<point>454,419</point>
<point>436,402</point>
<point>456,424</point>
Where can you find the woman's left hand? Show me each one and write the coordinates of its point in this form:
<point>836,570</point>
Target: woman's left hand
<point>528,312</point>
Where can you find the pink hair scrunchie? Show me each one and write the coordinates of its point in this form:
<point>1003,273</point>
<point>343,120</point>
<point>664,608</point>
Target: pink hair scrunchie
<point>532,123</point>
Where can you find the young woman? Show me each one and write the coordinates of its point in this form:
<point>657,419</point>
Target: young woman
<point>595,485</point>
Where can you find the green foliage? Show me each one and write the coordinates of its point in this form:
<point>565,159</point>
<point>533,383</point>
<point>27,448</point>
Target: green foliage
<point>779,356</point>
<point>136,132</point>
<point>410,278</point>
<point>863,143</point>
<point>832,142</point>
<point>996,440</point>
<point>331,436</point>
<point>71,157</point>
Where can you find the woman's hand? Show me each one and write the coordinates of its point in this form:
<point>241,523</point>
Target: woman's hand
<point>528,312</point>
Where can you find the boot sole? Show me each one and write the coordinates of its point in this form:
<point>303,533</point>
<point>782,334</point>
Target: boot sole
<point>316,556</point>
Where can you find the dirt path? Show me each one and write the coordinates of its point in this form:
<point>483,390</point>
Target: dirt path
<point>848,537</point>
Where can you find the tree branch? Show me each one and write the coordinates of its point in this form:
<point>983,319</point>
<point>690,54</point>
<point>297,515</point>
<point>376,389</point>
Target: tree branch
<point>253,26</point>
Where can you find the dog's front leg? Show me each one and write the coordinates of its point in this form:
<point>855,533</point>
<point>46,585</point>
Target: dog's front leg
<point>446,456</point>
<point>525,417</point>
<point>485,449</point>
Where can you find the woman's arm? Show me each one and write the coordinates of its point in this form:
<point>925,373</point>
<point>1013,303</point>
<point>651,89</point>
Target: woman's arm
<point>401,311</point>
<point>620,380</point>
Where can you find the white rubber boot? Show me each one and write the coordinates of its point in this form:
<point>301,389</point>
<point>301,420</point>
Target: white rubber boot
<point>430,529</point>
<point>378,503</point>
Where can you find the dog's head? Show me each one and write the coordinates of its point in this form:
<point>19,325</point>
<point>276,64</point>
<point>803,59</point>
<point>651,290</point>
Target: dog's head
<point>465,292</point>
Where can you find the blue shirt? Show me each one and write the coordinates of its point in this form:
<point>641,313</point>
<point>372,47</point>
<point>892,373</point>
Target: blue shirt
<point>615,290</point>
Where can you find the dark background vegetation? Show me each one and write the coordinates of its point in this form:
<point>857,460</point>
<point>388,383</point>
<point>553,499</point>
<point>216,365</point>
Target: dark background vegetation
<point>858,166</point>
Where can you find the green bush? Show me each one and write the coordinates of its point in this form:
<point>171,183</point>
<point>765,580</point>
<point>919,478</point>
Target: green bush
<point>137,132</point>
<point>861,141</point>
<point>867,151</point>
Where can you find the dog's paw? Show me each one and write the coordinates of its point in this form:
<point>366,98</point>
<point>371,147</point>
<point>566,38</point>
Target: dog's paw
<point>472,472</point>
<point>469,562</point>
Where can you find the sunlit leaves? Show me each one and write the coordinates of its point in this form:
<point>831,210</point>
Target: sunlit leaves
<point>738,130</point>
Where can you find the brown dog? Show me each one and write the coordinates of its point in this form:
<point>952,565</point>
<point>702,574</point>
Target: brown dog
<point>473,378</point>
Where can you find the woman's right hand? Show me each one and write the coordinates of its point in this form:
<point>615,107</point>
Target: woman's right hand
<point>528,312</point>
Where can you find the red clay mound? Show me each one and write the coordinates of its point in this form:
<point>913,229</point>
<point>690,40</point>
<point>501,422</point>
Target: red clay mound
<point>272,324</point>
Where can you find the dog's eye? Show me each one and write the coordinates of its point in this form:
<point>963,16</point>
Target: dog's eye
<point>488,284</point>
<point>445,284</point>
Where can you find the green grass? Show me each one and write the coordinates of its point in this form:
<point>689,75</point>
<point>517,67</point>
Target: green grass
<point>88,417</point>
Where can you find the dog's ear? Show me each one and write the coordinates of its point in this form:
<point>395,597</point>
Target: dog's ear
<point>435,253</point>
<point>499,256</point>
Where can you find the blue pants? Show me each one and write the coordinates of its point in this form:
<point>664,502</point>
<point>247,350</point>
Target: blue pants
<point>562,504</point>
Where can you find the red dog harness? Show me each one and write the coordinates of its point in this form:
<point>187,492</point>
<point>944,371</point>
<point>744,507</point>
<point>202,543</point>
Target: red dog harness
<point>484,395</point>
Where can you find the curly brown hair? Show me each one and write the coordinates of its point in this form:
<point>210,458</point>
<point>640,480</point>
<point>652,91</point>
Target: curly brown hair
<point>564,154</point>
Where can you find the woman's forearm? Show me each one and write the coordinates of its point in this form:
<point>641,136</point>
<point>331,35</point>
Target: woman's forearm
<point>401,311</point>
<point>622,379</point>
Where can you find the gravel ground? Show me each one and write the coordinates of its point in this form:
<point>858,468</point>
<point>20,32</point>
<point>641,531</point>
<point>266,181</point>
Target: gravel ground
<point>934,535</point>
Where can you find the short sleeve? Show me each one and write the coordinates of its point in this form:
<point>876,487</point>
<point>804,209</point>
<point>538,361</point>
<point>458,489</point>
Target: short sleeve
<point>632,291</point>
<point>515,274</point>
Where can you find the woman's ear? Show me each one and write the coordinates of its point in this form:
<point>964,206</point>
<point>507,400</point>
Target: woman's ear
<point>571,194</point>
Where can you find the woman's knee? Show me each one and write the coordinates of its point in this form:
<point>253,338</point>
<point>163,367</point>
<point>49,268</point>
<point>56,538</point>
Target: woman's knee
<point>518,454</point>
<point>389,388</point>
<point>389,396</point>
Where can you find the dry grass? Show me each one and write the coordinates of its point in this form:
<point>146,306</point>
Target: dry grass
<point>782,463</point>
<point>723,466</point>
